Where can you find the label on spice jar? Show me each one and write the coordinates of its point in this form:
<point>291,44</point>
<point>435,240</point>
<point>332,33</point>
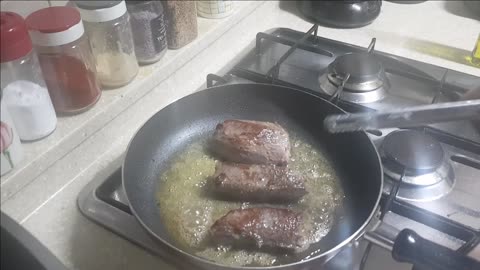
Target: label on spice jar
<point>10,147</point>
<point>159,33</point>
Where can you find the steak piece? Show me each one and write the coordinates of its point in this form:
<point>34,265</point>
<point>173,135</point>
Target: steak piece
<point>262,227</point>
<point>245,141</point>
<point>261,183</point>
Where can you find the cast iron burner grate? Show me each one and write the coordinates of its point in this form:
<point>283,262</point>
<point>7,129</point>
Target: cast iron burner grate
<point>409,82</point>
<point>356,77</point>
<point>104,201</point>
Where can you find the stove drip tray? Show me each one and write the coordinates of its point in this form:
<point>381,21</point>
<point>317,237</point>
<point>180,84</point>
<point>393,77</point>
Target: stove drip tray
<point>104,202</point>
<point>420,161</point>
<point>430,163</point>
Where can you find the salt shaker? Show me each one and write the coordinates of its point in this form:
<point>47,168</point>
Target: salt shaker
<point>65,57</point>
<point>11,153</point>
<point>215,9</point>
<point>149,30</point>
<point>181,22</point>
<point>23,88</point>
<point>107,25</point>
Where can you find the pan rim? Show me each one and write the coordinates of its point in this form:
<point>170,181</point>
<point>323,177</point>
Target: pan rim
<point>355,235</point>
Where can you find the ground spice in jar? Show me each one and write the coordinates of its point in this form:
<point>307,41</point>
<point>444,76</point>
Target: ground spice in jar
<point>66,91</point>
<point>31,109</point>
<point>107,25</point>
<point>65,58</point>
<point>181,22</point>
<point>114,67</point>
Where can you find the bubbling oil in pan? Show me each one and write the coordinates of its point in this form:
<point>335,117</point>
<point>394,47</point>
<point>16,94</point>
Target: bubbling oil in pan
<point>189,212</point>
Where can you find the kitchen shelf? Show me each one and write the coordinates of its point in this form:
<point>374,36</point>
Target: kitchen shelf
<point>72,131</point>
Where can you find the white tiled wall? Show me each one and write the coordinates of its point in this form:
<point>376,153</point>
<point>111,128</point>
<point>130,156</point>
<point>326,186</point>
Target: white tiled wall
<point>24,8</point>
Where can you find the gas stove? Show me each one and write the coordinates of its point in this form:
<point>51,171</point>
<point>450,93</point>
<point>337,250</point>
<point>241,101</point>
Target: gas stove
<point>435,193</point>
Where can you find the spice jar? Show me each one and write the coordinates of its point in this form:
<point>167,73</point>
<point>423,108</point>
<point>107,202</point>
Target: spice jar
<point>181,22</point>
<point>23,88</point>
<point>107,25</point>
<point>65,58</point>
<point>215,9</point>
<point>11,152</point>
<point>149,30</point>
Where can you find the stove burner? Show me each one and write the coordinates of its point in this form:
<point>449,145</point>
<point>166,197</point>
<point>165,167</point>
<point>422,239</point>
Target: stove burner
<point>413,151</point>
<point>365,72</point>
<point>366,81</point>
<point>428,175</point>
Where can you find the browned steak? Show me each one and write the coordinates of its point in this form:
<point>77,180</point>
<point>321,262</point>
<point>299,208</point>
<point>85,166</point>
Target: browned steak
<point>251,142</point>
<point>263,227</point>
<point>252,182</point>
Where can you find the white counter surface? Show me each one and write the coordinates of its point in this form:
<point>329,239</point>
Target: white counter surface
<point>42,193</point>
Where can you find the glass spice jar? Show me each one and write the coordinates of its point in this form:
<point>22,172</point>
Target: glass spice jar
<point>149,30</point>
<point>107,25</point>
<point>215,9</point>
<point>65,58</point>
<point>181,22</point>
<point>23,88</point>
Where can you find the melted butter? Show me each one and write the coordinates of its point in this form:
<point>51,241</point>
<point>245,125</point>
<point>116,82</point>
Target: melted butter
<point>189,212</point>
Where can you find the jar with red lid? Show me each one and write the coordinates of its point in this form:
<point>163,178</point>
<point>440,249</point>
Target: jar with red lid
<point>23,89</point>
<point>65,58</point>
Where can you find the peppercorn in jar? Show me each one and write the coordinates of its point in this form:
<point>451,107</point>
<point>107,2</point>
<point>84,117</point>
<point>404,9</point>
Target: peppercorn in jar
<point>149,30</point>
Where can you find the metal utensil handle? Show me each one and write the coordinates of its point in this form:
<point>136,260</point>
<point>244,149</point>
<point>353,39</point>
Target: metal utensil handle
<point>412,248</point>
<point>408,117</point>
<point>408,246</point>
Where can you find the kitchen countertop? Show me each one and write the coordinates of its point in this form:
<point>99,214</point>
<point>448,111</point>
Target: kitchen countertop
<point>46,203</point>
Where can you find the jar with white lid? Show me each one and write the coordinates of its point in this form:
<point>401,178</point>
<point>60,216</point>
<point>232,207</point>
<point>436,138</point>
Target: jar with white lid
<point>215,9</point>
<point>23,89</point>
<point>65,57</point>
<point>107,25</point>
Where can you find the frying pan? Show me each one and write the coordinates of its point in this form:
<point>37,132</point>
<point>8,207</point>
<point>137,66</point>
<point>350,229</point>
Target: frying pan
<point>195,116</point>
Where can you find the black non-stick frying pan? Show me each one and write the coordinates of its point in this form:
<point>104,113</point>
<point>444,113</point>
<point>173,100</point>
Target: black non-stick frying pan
<point>194,117</point>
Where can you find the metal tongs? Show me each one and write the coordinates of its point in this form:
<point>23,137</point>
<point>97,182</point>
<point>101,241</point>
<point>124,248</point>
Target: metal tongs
<point>405,117</point>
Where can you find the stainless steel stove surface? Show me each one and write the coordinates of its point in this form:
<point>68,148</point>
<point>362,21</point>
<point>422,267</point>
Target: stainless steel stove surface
<point>104,201</point>
<point>436,193</point>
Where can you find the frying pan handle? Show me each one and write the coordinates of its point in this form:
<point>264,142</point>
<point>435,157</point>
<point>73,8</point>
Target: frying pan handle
<point>408,246</point>
<point>424,254</point>
<point>211,78</point>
